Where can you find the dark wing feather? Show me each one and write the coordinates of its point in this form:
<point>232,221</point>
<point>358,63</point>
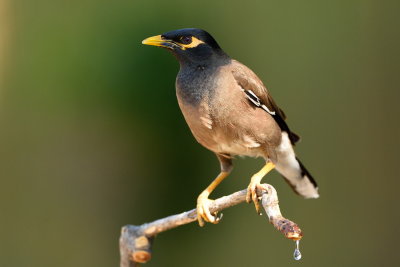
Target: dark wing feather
<point>248,80</point>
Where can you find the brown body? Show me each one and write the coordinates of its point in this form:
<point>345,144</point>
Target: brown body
<point>227,126</point>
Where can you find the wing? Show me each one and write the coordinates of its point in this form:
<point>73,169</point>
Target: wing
<point>258,94</point>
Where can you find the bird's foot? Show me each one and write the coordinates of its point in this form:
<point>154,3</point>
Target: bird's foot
<point>203,210</point>
<point>252,195</point>
<point>254,183</point>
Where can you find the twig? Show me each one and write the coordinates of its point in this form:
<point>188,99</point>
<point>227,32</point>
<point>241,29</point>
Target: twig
<point>136,241</point>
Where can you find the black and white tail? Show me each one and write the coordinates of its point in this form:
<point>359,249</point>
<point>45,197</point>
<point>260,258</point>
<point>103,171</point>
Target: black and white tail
<point>293,170</point>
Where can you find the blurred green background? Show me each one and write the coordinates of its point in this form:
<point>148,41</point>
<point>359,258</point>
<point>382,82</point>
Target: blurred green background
<point>91,136</point>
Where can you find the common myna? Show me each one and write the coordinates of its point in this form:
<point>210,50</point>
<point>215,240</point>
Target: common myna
<point>230,112</point>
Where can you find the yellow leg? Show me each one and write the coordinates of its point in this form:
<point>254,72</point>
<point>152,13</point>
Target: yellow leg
<point>203,202</point>
<point>255,180</point>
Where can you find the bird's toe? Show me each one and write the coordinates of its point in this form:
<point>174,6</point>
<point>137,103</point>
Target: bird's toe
<point>203,211</point>
<point>252,196</point>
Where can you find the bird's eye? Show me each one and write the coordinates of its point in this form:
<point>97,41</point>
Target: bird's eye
<point>186,39</point>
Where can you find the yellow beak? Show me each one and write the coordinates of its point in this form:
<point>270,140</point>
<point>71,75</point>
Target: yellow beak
<point>158,41</point>
<point>154,40</point>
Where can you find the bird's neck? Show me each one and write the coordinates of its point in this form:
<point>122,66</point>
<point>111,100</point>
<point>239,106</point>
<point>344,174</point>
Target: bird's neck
<point>195,81</point>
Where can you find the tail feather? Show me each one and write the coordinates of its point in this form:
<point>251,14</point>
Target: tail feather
<point>305,173</point>
<point>294,171</point>
<point>294,138</point>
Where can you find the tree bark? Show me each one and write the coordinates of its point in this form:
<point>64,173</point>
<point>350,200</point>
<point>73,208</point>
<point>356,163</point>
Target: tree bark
<point>136,241</point>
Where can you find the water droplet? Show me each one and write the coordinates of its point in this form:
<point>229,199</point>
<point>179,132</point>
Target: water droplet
<point>297,253</point>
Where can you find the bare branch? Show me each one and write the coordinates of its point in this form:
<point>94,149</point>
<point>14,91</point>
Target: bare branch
<point>135,241</point>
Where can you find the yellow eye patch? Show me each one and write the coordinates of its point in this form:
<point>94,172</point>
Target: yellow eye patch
<point>195,42</point>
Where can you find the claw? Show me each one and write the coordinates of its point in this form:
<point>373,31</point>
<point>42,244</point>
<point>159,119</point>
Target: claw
<point>203,211</point>
<point>253,197</point>
<point>255,181</point>
<point>203,202</point>
<point>219,216</point>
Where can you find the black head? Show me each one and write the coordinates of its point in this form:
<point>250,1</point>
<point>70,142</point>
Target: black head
<point>190,46</point>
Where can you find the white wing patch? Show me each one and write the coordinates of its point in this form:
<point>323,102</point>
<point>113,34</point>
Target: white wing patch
<point>250,95</point>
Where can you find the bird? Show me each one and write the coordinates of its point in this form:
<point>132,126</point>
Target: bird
<point>231,113</point>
